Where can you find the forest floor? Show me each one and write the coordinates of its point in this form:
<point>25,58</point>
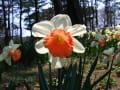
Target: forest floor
<point>18,74</point>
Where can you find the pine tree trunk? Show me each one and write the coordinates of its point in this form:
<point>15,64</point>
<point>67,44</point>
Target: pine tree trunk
<point>74,11</point>
<point>57,6</point>
<point>5,25</point>
<point>21,22</point>
<point>9,34</point>
<point>36,11</point>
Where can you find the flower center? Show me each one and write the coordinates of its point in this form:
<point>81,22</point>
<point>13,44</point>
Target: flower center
<point>101,42</point>
<point>59,43</point>
<point>14,54</point>
<point>59,38</point>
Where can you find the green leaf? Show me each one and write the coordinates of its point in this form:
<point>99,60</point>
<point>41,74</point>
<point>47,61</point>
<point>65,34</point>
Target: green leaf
<point>67,78</point>
<point>70,80</point>
<point>26,85</point>
<point>11,86</point>
<point>101,78</point>
<point>92,67</point>
<point>87,83</point>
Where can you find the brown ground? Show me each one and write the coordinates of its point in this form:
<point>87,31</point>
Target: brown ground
<point>31,75</point>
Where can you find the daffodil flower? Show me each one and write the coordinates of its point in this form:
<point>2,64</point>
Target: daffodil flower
<point>108,54</point>
<point>7,51</point>
<point>57,38</point>
<point>94,44</point>
<point>99,40</point>
<point>118,45</point>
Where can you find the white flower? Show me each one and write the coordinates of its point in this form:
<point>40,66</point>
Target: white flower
<point>108,54</point>
<point>4,55</point>
<point>94,44</point>
<point>117,57</point>
<point>118,45</point>
<point>59,22</point>
<point>109,51</point>
<point>117,27</point>
<point>99,36</point>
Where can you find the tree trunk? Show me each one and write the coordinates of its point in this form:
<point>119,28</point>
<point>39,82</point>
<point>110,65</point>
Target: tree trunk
<point>74,11</point>
<point>57,6</point>
<point>96,13</point>
<point>9,30</point>
<point>36,11</point>
<point>12,20</point>
<point>5,25</point>
<point>21,22</point>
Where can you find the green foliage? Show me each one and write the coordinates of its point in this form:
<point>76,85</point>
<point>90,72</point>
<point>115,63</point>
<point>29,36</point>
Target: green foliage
<point>71,78</point>
<point>12,85</point>
<point>112,82</point>
<point>42,81</point>
<point>117,72</point>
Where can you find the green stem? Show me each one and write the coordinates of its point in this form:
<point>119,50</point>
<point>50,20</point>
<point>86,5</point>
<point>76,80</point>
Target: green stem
<point>0,77</point>
<point>50,77</point>
<point>108,81</point>
<point>60,79</point>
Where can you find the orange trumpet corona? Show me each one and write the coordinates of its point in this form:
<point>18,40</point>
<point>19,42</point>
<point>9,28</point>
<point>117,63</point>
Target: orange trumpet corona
<point>101,42</point>
<point>59,43</point>
<point>15,54</point>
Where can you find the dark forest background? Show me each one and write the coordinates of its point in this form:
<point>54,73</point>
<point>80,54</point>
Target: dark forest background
<point>16,15</point>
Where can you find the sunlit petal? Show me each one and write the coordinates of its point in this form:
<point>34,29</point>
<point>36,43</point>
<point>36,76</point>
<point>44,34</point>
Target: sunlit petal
<point>39,47</point>
<point>77,30</point>
<point>78,47</point>
<point>61,21</point>
<point>41,29</point>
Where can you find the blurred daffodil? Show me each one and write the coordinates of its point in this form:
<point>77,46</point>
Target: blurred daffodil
<point>10,52</point>
<point>58,38</point>
<point>108,54</point>
<point>117,27</point>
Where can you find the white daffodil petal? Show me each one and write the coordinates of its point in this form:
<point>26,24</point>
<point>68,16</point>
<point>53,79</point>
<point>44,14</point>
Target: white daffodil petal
<point>39,47</point>
<point>3,56</point>
<point>57,63</point>
<point>109,51</point>
<point>77,30</point>
<point>78,47</point>
<point>11,42</point>
<point>118,45</point>
<point>6,49</point>
<point>8,61</point>
<point>50,57</point>
<point>41,29</point>
<point>99,36</point>
<point>94,44</point>
<point>15,46</point>
<point>61,21</point>
<point>118,57</point>
<point>105,59</point>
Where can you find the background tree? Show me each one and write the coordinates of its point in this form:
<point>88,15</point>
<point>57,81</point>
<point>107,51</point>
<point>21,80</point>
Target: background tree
<point>17,15</point>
